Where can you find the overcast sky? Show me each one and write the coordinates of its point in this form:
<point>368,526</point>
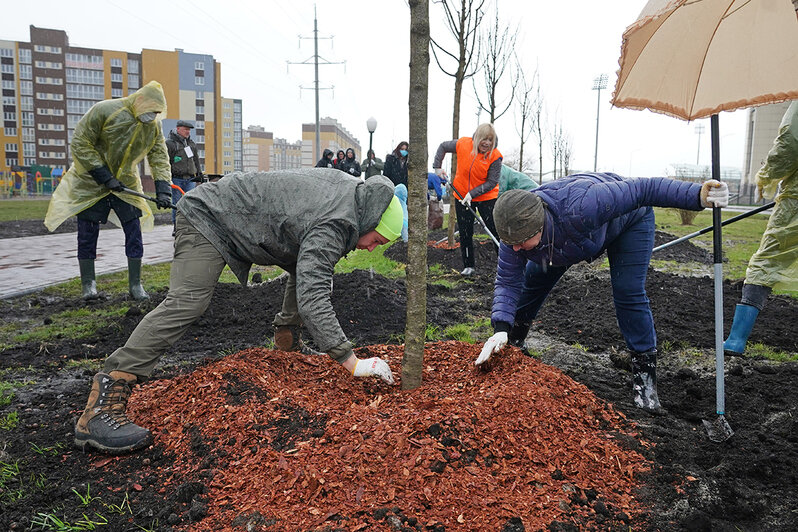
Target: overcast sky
<point>570,42</point>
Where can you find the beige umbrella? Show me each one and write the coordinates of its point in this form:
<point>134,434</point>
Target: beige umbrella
<point>694,58</point>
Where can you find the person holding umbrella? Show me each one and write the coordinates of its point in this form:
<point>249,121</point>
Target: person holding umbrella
<point>546,230</point>
<point>475,184</point>
<point>775,263</point>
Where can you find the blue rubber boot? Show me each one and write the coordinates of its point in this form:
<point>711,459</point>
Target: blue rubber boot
<point>744,318</point>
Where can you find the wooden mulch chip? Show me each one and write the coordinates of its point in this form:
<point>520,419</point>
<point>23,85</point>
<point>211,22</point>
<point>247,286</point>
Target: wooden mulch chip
<point>296,441</point>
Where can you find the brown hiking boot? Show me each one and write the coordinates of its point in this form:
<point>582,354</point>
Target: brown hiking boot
<point>104,424</point>
<point>289,338</point>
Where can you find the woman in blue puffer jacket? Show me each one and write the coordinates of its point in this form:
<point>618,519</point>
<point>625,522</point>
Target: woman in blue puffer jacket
<point>546,230</point>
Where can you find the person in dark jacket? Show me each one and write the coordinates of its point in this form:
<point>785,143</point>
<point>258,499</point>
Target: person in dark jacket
<point>326,160</point>
<point>339,159</point>
<point>372,165</point>
<point>545,231</point>
<point>350,164</point>
<point>184,159</point>
<point>396,164</point>
<point>303,221</point>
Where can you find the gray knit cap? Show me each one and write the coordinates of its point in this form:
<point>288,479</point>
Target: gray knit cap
<point>518,216</point>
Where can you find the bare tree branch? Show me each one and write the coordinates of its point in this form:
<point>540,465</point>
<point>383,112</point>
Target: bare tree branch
<point>496,58</point>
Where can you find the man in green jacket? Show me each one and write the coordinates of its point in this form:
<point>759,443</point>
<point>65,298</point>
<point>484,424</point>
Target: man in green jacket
<point>303,221</point>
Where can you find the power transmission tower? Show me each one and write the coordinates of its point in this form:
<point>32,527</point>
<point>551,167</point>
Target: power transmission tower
<point>314,60</point>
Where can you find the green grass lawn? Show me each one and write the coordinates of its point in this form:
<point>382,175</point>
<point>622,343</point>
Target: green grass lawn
<point>23,209</point>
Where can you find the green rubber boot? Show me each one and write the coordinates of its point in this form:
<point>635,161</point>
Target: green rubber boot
<point>134,280</point>
<point>87,282</point>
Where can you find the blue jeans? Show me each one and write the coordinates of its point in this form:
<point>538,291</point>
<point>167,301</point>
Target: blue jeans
<point>629,256</point>
<point>89,231</point>
<point>186,185</point>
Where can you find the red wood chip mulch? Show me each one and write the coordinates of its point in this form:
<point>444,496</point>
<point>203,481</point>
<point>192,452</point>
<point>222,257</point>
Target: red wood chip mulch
<point>299,441</point>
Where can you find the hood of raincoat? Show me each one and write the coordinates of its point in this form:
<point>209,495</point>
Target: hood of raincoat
<point>148,99</point>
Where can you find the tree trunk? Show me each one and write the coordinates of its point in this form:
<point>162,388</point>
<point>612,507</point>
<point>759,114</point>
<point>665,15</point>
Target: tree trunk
<point>416,280</point>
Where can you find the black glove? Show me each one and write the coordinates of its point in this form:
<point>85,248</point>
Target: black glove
<point>104,177</point>
<point>163,194</point>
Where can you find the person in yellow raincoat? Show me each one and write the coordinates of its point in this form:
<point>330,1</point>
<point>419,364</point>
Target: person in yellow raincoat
<point>111,139</point>
<point>775,263</point>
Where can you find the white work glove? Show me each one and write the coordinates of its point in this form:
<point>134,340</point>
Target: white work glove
<point>714,194</point>
<point>467,200</point>
<point>494,344</point>
<point>373,367</point>
<point>351,170</point>
<point>439,171</point>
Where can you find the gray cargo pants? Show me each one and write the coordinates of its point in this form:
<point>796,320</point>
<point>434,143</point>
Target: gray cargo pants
<point>196,268</point>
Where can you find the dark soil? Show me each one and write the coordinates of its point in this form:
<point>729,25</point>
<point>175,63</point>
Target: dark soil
<point>20,228</point>
<point>749,482</point>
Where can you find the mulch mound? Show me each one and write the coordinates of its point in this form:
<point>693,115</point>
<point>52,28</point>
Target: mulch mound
<point>293,442</point>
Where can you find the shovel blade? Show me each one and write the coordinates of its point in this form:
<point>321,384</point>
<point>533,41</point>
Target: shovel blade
<point>718,429</point>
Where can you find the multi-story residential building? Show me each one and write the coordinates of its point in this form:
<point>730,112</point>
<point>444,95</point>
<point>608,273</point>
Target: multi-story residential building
<point>48,85</point>
<point>258,144</point>
<point>332,135</point>
<point>286,155</point>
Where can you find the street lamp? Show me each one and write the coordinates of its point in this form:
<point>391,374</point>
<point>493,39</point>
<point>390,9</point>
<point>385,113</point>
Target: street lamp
<point>598,84</point>
<point>371,124</point>
<point>699,129</point>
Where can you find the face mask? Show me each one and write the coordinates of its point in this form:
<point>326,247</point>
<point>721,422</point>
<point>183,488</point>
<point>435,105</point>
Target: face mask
<point>403,152</point>
<point>147,117</point>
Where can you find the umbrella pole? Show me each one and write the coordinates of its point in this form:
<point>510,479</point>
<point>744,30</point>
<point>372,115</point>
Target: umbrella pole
<point>718,429</point>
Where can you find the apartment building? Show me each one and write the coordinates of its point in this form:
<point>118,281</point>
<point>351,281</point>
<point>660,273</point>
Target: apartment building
<point>48,86</point>
<point>332,135</point>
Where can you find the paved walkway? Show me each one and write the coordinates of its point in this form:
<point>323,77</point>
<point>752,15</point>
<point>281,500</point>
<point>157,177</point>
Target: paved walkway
<point>31,263</point>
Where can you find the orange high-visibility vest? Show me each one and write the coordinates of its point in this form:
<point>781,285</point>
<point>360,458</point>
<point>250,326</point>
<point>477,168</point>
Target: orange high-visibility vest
<point>472,171</point>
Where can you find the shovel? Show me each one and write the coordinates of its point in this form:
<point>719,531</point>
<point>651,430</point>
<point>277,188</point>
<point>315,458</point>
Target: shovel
<point>146,197</point>
<point>718,429</point>
<point>479,219</point>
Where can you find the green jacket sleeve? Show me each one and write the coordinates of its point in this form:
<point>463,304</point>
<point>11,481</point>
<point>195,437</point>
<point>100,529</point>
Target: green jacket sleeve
<point>320,250</point>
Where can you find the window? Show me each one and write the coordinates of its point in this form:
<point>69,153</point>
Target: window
<point>228,125</point>
<point>26,88</point>
<point>7,69</point>
<point>28,134</point>
<point>199,124</point>
<point>50,127</point>
<point>199,65</point>
<point>27,119</point>
<point>200,95</point>
<point>49,64</point>
<point>116,77</point>
<point>79,106</point>
<point>11,161</point>
<point>198,80</point>
<point>116,62</point>
<point>10,131</point>
<point>24,55</point>
<point>47,49</point>
<point>84,61</point>
<point>48,81</point>
<point>26,103</point>
<point>227,134</point>
<point>29,149</point>
<point>226,115</point>
<point>9,116</point>
<point>11,147</point>
<point>49,96</point>
<point>9,84</point>
<point>199,139</point>
<point>228,153</point>
<point>228,144</point>
<point>7,52</point>
<point>72,120</point>
<point>51,142</point>
<point>90,92</point>
<point>48,111</point>
<point>116,93</point>
<point>200,110</point>
<point>9,100</point>
<point>133,81</point>
<point>25,72</point>
<point>80,75</point>
<point>132,66</point>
